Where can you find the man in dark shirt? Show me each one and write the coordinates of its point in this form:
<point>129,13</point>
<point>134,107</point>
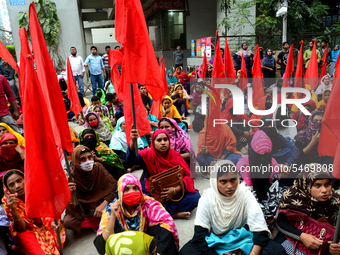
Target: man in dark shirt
<point>145,98</point>
<point>322,51</point>
<point>5,115</point>
<point>178,57</point>
<point>8,71</point>
<point>283,57</point>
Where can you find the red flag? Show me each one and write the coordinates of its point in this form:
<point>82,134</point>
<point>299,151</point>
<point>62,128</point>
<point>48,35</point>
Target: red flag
<point>4,53</point>
<point>131,31</point>
<point>229,64</point>
<point>116,58</point>
<point>324,63</point>
<point>256,48</point>
<point>329,142</point>
<point>72,91</point>
<point>312,75</point>
<point>46,189</point>
<point>299,71</point>
<point>258,91</point>
<point>155,110</point>
<point>244,77</point>
<point>289,67</point>
<point>49,84</point>
<point>204,66</point>
<point>218,69</point>
<point>24,48</point>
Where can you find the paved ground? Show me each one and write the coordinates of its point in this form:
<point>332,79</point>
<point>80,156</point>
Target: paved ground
<point>83,243</point>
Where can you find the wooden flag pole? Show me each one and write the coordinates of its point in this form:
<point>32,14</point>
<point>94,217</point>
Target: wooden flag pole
<point>206,128</point>
<point>70,176</point>
<point>59,240</point>
<point>133,116</point>
<point>337,227</point>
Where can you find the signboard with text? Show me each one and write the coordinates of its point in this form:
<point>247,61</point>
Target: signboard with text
<point>193,48</point>
<point>16,2</point>
<point>208,47</point>
<point>198,47</point>
<point>203,46</point>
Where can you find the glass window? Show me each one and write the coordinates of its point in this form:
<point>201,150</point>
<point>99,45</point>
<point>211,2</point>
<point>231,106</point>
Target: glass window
<point>176,32</point>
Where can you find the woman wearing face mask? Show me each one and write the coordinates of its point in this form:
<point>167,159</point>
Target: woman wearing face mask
<point>225,209</point>
<point>102,153</point>
<point>4,128</point>
<point>159,158</point>
<point>313,195</point>
<point>119,144</point>
<point>134,211</point>
<point>12,155</point>
<point>307,140</point>
<point>93,121</point>
<point>97,109</point>
<point>95,189</point>
<point>36,236</point>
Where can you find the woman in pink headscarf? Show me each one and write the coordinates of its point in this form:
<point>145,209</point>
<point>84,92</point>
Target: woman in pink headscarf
<point>258,170</point>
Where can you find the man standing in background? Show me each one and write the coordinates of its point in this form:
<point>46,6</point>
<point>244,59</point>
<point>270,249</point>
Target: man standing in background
<point>322,51</point>
<point>283,57</point>
<point>178,57</point>
<point>78,69</point>
<point>308,53</point>
<point>96,67</point>
<point>8,71</point>
<point>106,63</point>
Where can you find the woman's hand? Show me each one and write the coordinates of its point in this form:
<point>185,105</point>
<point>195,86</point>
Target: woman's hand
<point>115,208</point>
<point>12,200</point>
<point>99,210</point>
<point>334,248</point>
<point>96,159</point>
<point>134,133</point>
<point>315,138</point>
<point>167,111</point>
<point>168,193</point>
<point>204,149</point>
<point>243,139</point>
<point>72,186</point>
<point>56,228</point>
<point>18,149</point>
<point>311,242</point>
<point>246,134</point>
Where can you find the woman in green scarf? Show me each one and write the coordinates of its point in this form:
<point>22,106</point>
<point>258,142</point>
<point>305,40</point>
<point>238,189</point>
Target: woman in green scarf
<point>103,154</point>
<point>101,94</point>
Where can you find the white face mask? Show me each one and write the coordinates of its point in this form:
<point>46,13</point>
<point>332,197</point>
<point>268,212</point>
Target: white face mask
<point>87,166</point>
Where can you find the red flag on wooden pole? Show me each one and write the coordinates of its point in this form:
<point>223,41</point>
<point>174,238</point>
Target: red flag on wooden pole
<point>50,85</point>
<point>130,30</point>
<point>329,142</point>
<point>229,64</point>
<point>4,53</point>
<point>289,68</point>
<point>204,66</point>
<point>72,91</point>
<point>46,189</point>
<point>258,90</point>
<point>244,76</point>
<point>311,76</point>
<point>324,63</point>
<point>116,58</point>
<point>298,83</point>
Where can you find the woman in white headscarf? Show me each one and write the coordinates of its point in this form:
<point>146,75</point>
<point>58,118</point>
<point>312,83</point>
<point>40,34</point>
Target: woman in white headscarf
<point>228,209</point>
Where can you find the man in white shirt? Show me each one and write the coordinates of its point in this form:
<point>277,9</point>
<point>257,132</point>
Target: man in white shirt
<point>78,68</point>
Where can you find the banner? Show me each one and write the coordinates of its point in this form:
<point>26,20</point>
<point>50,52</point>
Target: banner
<point>203,45</point>
<point>164,5</point>
<point>193,48</point>
<point>208,47</point>
<point>198,47</point>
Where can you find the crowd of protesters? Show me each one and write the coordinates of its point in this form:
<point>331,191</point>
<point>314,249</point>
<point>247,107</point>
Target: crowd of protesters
<point>240,212</point>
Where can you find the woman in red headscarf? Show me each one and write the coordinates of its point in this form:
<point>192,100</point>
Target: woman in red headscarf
<point>301,118</point>
<point>159,158</point>
<point>12,155</point>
